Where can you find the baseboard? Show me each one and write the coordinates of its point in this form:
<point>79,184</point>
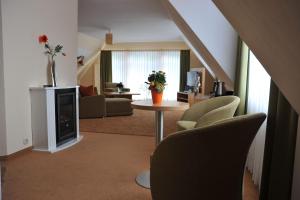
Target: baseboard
<point>16,154</point>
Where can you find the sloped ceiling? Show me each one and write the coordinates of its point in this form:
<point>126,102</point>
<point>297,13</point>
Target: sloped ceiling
<point>272,31</point>
<point>129,20</point>
<point>208,33</point>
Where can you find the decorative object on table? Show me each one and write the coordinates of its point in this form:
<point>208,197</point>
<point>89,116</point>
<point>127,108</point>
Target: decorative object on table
<point>197,85</point>
<point>51,52</point>
<point>120,87</point>
<point>157,83</point>
<point>80,60</point>
<point>219,88</point>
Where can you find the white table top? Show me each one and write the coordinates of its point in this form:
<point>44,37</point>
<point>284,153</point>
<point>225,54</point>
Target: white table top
<point>121,93</point>
<point>164,106</point>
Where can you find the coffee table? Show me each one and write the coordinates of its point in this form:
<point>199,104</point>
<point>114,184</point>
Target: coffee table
<point>143,179</point>
<point>127,95</point>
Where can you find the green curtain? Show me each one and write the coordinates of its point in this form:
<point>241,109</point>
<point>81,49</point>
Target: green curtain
<point>280,146</point>
<point>184,68</point>
<point>105,68</point>
<point>241,76</point>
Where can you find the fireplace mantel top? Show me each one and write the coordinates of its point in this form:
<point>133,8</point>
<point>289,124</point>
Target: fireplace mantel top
<point>52,88</point>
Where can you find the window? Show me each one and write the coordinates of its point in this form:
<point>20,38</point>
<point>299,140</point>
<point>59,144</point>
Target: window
<point>133,67</point>
<point>258,101</point>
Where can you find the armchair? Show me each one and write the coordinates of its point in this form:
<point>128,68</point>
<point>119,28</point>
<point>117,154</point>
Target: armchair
<point>204,163</point>
<point>208,111</point>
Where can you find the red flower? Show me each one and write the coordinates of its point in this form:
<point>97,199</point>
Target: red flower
<point>43,39</point>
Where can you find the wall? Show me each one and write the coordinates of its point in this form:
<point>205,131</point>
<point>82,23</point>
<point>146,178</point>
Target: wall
<point>272,32</point>
<point>24,61</point>
<point>89,77</point>
<point>209,80</point>
<point>87,45</point>
<point>194,61</point>
<point>212,28</point>
<point>89,73</point>
<point>2,101</point>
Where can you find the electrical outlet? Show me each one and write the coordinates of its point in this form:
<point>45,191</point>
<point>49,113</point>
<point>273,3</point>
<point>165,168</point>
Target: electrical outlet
<point>25,141</point>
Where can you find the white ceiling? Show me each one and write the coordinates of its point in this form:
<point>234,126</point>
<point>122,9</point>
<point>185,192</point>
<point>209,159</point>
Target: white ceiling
<point>129,20</point>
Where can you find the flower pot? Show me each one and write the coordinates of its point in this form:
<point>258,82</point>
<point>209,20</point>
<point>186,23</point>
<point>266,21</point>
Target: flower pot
<point>156,96</point>
<point>51,78</point>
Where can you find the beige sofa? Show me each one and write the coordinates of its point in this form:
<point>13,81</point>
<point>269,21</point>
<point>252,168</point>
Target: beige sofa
<point>112,87</point>
<point>99,106</point>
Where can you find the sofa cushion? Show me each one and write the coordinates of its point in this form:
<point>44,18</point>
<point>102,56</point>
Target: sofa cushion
<point>87,90</point>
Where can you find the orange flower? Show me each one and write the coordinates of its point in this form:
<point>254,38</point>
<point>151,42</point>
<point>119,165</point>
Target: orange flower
<point>43,39</point>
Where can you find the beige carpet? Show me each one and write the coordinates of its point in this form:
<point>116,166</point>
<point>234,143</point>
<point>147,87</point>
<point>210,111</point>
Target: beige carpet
<point>140,123</point>
<point>101,167</point>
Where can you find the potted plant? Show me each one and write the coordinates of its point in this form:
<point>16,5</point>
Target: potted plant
<point>157,83</point>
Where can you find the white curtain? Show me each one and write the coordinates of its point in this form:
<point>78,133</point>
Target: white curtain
<point>258,101</point>
<point>132,68</point>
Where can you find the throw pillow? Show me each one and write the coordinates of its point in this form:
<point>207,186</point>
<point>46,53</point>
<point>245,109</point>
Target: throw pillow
<point>86,90</point>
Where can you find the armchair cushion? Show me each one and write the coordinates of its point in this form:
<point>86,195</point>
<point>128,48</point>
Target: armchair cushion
<point>185,125</point>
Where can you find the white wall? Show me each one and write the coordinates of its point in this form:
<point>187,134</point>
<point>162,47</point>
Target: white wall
<point>24,62</point>
<point>2,102</point>
<point>213,29</point>
<point>87,45</point>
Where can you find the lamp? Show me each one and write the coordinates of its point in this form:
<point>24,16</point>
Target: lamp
<point>109,38</point>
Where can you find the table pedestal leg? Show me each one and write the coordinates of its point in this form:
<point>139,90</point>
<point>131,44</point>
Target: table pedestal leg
<point>159,120</point>
<point>143,179</point>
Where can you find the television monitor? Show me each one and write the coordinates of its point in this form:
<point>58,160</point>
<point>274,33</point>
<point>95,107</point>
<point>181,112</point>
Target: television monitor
<point>192,78</point>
